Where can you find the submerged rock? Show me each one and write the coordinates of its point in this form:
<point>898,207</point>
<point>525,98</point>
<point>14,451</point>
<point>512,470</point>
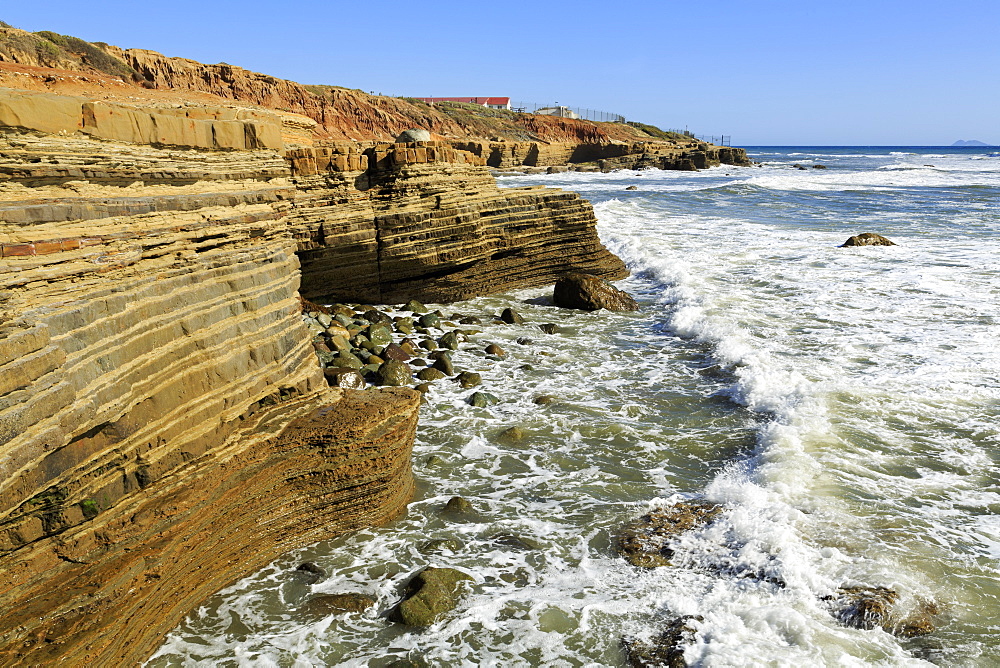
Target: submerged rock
<point>346,378</point>
<point>590,293</point>
<point>511,435</point>
<point>875,607</point>
<point>322,605</point>
<point>511,317</point>
<point>310,572</point>
<point>468,379</point>
<point>646,541</point>
<point>867,239</point>
<point>667,649</point>
<point>432,593</point>
<point>394,373</point>
<point>482,399</point>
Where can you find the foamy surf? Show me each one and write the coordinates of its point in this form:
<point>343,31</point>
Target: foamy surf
<point>841,404</point>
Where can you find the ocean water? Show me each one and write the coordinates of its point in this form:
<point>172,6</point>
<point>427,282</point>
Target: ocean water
<point>841,403</point>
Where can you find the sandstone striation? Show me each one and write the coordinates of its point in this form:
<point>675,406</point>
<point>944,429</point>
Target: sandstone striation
<point>156,377</point>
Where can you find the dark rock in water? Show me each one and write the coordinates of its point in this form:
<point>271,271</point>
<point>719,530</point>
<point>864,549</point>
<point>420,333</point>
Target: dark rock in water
<point>310,572</point>
<point>346,360</point>
<point>395,374</point>
<point>449,341</point>
<point>380,334</point>
<point>470,320</point>
<point>432,593</point>
<point>343,311</point>
<point>864,607</point>
<point>430,374</point>
<point>322,605</point>
<point>430,320</point>
<point>444,365</point>
<point>408,663</point>
<point>457,504</point>
<point>874,607</point>
<point>524,341</point>
<point>819,166</point>
<point>413,306</point>
<point>375,316</point>
<point>394,352</point>
<point>549,328</point>
<point>511,317</point>
<point>482,399</point>
<point>494,349</point>
<point>543,400</point>
<point>667,650</point>
<point>511,435</point>
<point>441,545</point>
<point>428,344</point>
<point>646,541</point>
<point>417,361</point>
<point>800,167</point>
<point>590,293</point>
<point>509,540</point>
<point>867,239</point>
<point>632,188</point>
<point>423,388</point>
<point>346,378</point>
<point>468,379</point>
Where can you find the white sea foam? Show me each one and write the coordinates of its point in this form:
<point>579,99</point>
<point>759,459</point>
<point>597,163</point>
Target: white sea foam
<point>841,403</point>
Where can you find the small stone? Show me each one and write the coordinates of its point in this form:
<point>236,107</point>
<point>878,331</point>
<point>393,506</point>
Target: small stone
<point>511,541</point>
<point>431,594</point>
<point>511,435</point>
<point>323,605</point>
<point>347,360</point>
<point>430,374</point>
<point>430,320</point>
<point>511,317</point>
<point>867,239</point>
<point>346,378</point>
<point>395,374</point>
<point>418,362</point>
<point>413,306</point>
<point>482,399</point>
<point>375,316</point>
<point>375,359</point>
<point>494,349</point>
<point>342,310</point>
<point>470,320</point>
<point>380,334</point>
<point>310,572</point>
<point>444,365</point>
<point>543,400</point>
<point>324,319</point>
<point>423,388</point>
<point>325,357</point>
<point>428,344</point>
<point>343,320</point>
<point>549,328</point>
<point>458,504</point>
<point>395,352</point>
<point>632,188</point>
<point>408,346</point>
<point>449,341</point>
<point>524,341</point>
<point>468,379</point>
<point>441,545</point>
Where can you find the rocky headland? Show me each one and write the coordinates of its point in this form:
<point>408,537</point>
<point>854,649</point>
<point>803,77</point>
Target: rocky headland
<point>166,425</point>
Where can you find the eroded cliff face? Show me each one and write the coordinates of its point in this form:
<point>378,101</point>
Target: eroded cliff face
<point>165,427</point>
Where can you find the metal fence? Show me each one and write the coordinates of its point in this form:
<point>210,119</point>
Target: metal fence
<point>578,112</point>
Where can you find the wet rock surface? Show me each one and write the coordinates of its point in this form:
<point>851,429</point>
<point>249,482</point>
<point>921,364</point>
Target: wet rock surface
<point>867,239</point>
<point>646,542</point>
<point>590,293</point>
<point>322,605</point>
<point>878,607</point>
<point>667,649</point>
<point>429,596</point>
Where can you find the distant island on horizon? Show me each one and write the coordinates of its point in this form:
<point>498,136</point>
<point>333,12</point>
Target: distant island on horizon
<point>970,142</point>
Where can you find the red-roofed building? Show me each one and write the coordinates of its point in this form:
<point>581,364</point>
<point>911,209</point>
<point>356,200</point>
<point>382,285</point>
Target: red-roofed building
<point>491,102</point>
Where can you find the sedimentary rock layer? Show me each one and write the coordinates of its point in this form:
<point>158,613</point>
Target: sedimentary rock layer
<point>152,358</point>
<point>164,424</point>
<point>428,222</point>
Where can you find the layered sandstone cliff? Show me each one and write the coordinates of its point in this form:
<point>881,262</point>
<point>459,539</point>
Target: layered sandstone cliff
<point>164,424</point>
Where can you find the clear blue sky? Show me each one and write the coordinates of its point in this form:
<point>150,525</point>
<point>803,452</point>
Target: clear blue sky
<point>766,72</point>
